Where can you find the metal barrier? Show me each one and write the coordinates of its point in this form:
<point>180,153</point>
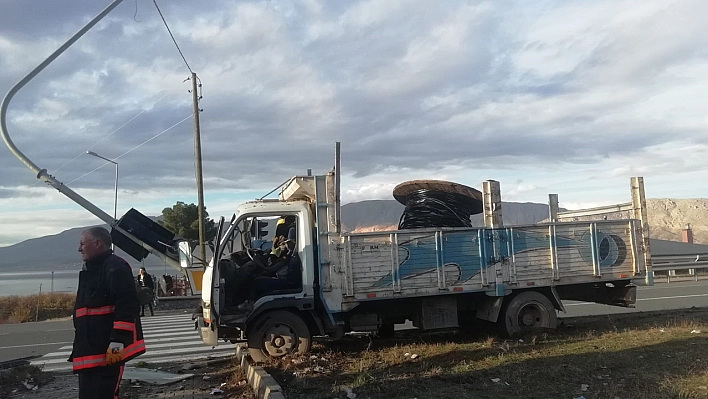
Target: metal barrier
<point>671,263</point>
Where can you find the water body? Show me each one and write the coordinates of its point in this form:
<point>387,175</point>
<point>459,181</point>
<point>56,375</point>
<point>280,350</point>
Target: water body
<point>28,283</point>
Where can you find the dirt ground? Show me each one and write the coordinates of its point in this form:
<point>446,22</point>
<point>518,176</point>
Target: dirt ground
<point>225,375</point>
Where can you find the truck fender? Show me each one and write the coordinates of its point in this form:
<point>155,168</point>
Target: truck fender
<point>555,299</point>
<point>489,308</point>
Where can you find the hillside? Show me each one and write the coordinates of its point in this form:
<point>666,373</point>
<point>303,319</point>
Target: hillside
<point>667,217</point>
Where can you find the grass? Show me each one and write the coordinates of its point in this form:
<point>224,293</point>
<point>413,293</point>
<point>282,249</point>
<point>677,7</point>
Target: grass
<point>640,355</point>
<point>21,309</point>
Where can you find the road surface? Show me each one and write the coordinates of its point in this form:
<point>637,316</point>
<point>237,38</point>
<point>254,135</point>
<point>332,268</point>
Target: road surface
<point>168,337</point>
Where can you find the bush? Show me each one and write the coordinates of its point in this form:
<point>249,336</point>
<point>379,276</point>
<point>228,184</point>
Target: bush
<point>21,309</point>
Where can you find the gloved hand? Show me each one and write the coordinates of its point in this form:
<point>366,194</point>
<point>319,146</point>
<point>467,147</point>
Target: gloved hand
<point>114,354</point>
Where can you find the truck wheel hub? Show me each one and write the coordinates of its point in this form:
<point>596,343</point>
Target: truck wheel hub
<point>280,340</point>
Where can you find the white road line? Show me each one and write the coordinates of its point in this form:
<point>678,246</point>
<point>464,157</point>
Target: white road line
<point>25,346</point>
<point>164,330</point>
<point>155,356</point>
<point>178,333</point>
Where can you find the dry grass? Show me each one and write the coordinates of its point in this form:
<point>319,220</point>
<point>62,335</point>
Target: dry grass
<point>20,309</point>
<point>641,355</point>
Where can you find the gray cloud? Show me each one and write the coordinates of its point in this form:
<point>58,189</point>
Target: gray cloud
<point>404,86</point>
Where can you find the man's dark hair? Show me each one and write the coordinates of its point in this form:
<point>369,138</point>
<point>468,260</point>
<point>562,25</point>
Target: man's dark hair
<point>101,234</point>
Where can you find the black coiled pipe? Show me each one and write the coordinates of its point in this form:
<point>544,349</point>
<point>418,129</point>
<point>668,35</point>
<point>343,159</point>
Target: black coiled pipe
<point>430,208</point>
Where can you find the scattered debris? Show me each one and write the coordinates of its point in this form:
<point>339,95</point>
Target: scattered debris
<point>206,377</point>
<point>29,384</point>
<point>496,380</point>
<point>313,357</point>
<point>190,366</point>
<point>695,331</point>
<point>151,376</point>
<point>580,397</point>
<point>406,354</point>
<point>350,394</point>
<point>216,391</point>
<point>414,356</point>
<point>584,387</point>
<point>662,330</point>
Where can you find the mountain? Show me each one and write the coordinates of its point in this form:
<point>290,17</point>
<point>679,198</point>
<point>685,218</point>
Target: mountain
<point>667,217</point>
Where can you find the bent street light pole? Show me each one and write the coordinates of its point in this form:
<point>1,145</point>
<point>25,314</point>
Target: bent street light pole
<point>42,174</point>
<point>115,197</point>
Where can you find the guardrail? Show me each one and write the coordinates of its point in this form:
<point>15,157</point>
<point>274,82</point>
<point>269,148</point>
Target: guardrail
<point>672,263</point>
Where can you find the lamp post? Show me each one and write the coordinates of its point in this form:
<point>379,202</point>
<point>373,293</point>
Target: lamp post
<point>115,198</point>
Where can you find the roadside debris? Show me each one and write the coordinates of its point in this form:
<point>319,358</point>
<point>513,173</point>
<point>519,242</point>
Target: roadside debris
<point>152,376</point>
<point>216,391</point>
<point>496,380</point>
<point>696,332</point>
<point>190,366</point>
<point>584,387</point>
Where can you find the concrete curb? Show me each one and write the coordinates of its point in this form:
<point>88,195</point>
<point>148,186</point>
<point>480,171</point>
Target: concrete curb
<point>263,384</point>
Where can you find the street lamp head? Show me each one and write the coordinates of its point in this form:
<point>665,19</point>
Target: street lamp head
<point>93,154</point>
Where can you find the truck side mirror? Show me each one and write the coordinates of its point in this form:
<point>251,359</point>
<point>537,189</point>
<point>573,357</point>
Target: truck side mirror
<point>185,254</point>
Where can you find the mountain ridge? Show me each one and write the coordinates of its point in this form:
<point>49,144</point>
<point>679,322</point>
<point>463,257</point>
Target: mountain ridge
<point>667,217</point>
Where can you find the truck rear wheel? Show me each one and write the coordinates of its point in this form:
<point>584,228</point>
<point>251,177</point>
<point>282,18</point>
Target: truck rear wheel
<point>276,334</point>
<point>529,311</point>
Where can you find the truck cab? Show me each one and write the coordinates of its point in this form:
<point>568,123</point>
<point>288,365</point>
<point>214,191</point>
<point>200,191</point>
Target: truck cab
<point>261,284</point>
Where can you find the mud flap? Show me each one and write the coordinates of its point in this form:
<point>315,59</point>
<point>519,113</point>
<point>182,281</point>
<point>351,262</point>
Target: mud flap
<point>209,332</point>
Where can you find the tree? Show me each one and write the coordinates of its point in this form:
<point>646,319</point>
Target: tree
<point>183,220</point>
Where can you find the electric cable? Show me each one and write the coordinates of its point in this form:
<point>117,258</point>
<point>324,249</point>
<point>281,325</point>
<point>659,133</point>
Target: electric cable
<point>431,208</point>
<point>171,35</point>
<point>133,149</point>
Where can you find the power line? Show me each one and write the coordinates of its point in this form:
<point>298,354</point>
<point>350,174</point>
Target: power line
<point>132,149</point>
<point>172,36</point>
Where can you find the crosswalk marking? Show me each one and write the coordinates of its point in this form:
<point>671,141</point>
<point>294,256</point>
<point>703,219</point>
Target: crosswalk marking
<point>168,338</point>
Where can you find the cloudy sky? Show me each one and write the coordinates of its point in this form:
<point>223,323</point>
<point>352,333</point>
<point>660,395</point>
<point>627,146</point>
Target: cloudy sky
<point>567,97</point>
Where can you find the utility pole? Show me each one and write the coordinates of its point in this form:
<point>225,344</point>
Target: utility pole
<point>198,166</point>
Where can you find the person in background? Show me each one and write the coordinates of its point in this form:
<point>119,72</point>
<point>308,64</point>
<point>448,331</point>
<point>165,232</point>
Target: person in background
<point>145,283</point>
<point>106,323</point>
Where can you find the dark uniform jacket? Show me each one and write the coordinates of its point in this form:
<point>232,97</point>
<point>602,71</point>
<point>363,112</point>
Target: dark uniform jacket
<point>106,311</point>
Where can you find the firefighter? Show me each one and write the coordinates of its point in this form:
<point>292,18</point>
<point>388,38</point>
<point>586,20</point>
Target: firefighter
<point>106,323</point>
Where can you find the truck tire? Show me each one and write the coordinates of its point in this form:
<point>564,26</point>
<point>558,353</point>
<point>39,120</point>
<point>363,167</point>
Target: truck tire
<point>276,334</point>
<point>529,311</point>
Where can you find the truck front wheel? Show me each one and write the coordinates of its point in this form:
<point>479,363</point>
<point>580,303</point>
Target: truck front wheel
<point>276,334</point>
<point>529,311</point>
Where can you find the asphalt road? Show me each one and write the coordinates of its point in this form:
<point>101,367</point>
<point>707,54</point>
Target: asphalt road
<point>37,339</point>
<point>34,339</point>
<point>661,296</point>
